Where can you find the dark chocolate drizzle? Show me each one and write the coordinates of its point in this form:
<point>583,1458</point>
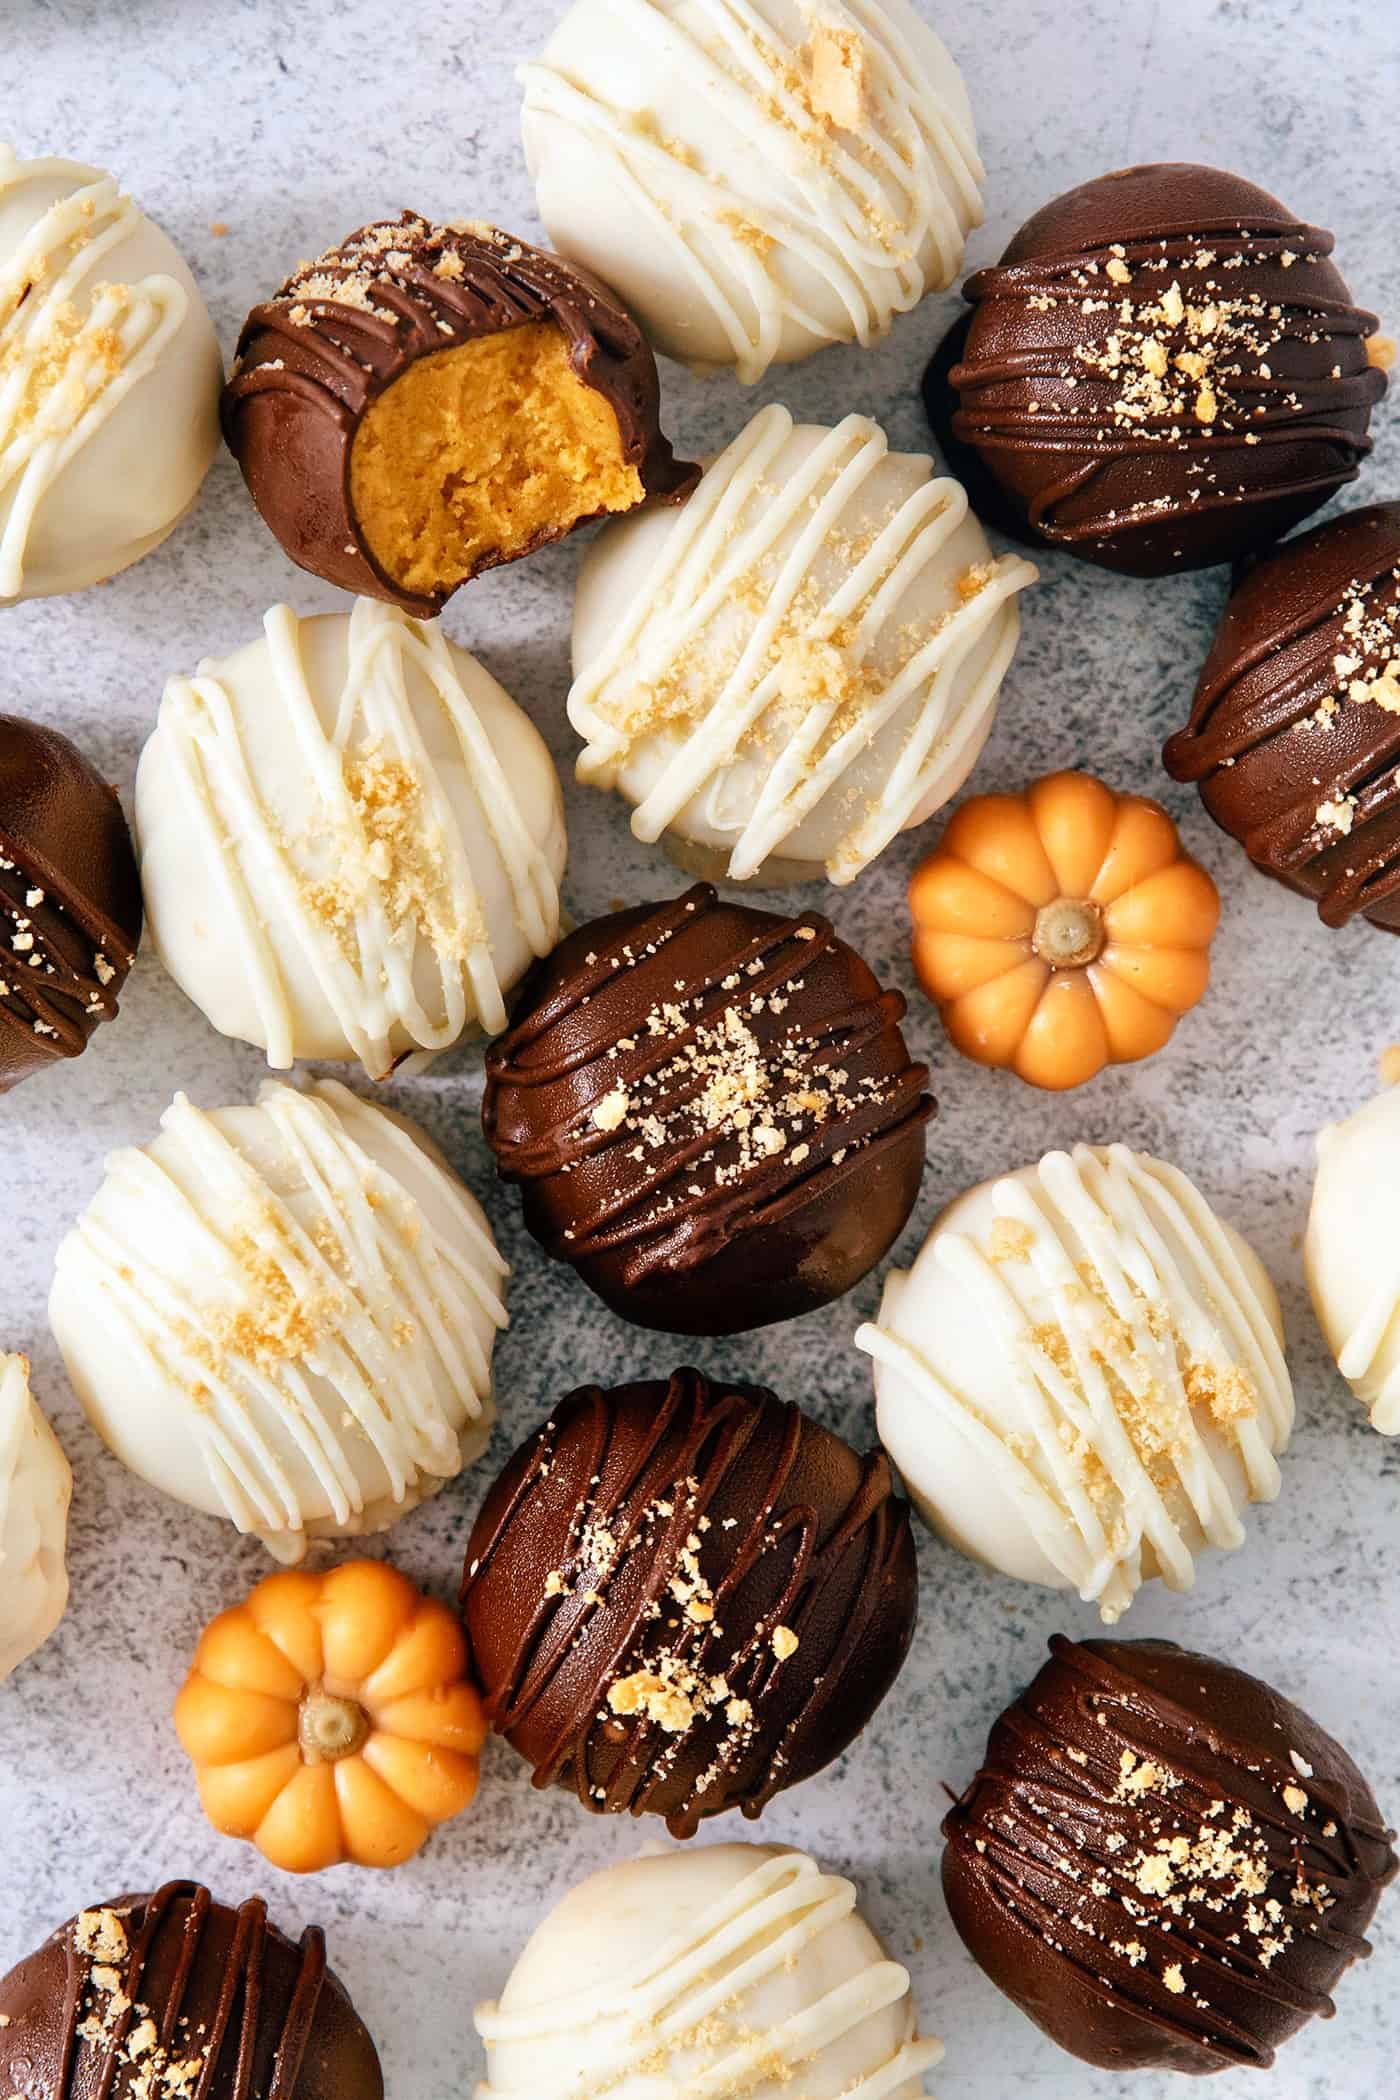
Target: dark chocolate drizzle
<point>1273,736</point>
<point>308,366</point>
<point>779,1523</point>
<point>1154,491</point>
<point>222,1989</point>
<point>1046,1846</point>
<point>619,1014</point>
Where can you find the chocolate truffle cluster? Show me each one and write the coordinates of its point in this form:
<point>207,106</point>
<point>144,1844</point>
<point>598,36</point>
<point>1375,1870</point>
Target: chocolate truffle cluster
<point>683,1597</point>
<point>711,1113</point>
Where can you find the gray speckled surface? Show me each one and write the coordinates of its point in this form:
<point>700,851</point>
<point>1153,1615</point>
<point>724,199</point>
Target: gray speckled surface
<point>291,123</point>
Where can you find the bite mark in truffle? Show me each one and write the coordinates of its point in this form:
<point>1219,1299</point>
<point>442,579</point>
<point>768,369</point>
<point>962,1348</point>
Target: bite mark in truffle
<point>711,1113</point>
<point>425,402</point>
<point>682,1598</point>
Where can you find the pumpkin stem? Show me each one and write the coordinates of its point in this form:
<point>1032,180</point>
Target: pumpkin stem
<point>330,1728</point>
<point>1068,933</point>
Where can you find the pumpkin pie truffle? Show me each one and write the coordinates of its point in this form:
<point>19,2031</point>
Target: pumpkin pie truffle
<point>36,1486</point>
<point>1352,1252</point>
<point>755,184</point>
<point>1164,371</point>
<point>801,662</point>
<point>710,1112</point>
<point>284,1314</point>
<point>1081,1378</point>
<point>1062,929</point>
<point>1164,1862</point>
<point>330,1718</point>
<point>351,840</point>
<point>720,1969</point>
<point>1294,735</point>
<point>425,402</point>
<point>109,377</point>
<point>175,1993</point>
<point>70,900</point>
<point>682,1598</point>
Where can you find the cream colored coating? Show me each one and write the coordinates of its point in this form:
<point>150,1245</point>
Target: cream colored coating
<point>707,1973</point>
<point>284,1314</point>
<point>800,662</point>
<point>36,1486</point>
<point>755,178</point>
<point>1082,1378</point>
<point>109,379</point>
<point>351,840</point>
<point>1352,1253</point>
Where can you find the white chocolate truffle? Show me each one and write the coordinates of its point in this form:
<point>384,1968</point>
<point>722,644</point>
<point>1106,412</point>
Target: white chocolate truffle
<point>800,662</point>
<point>351,840</point>
<point>35,1489</point>
<point>1081,1378</point>
<point>1352,1253</point>
<point>109,380</point>
<point>755,178</point>
<point>284,1314</point>
<point>714,1970</point>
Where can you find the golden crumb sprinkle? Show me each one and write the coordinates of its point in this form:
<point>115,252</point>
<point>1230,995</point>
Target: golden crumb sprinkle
<point>1009,1240</point>
<point>838,75</point>
<point>785,1642</point>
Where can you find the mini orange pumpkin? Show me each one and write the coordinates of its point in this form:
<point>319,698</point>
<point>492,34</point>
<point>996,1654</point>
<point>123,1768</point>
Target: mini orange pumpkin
<point>329,1718</point>
<point>1062,929</point>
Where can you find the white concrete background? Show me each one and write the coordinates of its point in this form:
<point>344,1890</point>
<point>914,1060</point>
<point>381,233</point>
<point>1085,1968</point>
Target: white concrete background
<point>292,124</point>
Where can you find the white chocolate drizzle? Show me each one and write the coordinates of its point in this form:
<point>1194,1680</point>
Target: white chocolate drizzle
<point>691,1996</point>
<point>857,206</point>
<point>363,956</point>
<point>342,1320</point>
<point>72,344</point>
<point>726,546</point>
<point>1151,1318</point>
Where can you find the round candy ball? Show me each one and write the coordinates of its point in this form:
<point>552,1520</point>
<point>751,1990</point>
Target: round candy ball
<point>284,1314</point>
<point>754,186</point>
<point>1352,1253</point>
<point>1081,1379</point>
<point>175,1993</point>
<point>711,1113</point>
<point>112,377</point>
<point>724,1969</point>
<point>798,664</point>
<point>1162,1861</point>
<point>681,1598</point>
<point>351,840</point>
<point>1294,734</point>
<point>36,1486</point>
<point>1163,372</point>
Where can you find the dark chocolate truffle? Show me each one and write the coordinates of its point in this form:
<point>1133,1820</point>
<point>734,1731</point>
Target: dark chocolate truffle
<point>1163,372</point>
<point>711,1113</point>
<point>682,1598</point>
<point>1294,736</point>
<point>150,1996</point>
<point>1162,1861</point>
<point>70,900</point>
<point>425,402</point>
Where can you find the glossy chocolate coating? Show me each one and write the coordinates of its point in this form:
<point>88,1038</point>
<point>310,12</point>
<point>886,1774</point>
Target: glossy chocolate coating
<point>1256,412</point>
<point>711,1113</point>
<point>308,367</point>
<point>1277,737</point>
<point>660,1539</point>
<point>1162,1861</point>
<point>153,1995</point>
<point>70,900</point>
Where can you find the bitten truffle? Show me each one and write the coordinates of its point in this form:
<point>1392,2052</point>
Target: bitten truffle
<point>1294,735</point>
<point>711,1113</point>
<point>70,900</point>
<point>1163,372</point>
<point>1162,1861</point>
<point>176,1993</point>
<point>682,1598</point>
<point>424,402</point>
